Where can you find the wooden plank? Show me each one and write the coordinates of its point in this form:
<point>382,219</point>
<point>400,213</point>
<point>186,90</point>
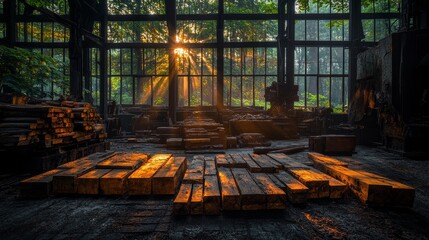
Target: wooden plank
<point>89,183</point>
<point>369,190</point>
<point>210,166</point>
<point>264,163</point>
<point>229,190</point>
<point>275,197</point>
<point>39,185</point>
<point>297,193</point>
<point>212,197</point>
<point>238,161</point>
<point>181,204</point>
<point>65,181</point>
<point>92,159</point>
<point>114,182</point>
<point>401,195</point>
<point>123,161</point>
<point>197,207</point>
<point>140,181</point>
<point>252,197</point>
<point>166,180</point>
<point>317,184</point>
<point>221,160</point>
<point>320,161</point>
<point>287,162</point>
<point>251,165</point>
<point>195,170</point>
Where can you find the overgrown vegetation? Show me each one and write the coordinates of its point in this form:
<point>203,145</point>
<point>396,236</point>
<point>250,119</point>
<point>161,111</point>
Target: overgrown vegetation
<point>28,73</point>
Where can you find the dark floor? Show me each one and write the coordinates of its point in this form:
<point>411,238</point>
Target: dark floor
<point>151,218</point>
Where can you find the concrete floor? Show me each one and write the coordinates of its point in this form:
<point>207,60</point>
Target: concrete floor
<point>151,218</point>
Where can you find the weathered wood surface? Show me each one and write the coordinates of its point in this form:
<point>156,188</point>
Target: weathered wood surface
<point>224,160</point>
<point>369,190</point>
<point>238,161</point>
<point>252,197</point>
<point>251,165</point>
<point>89,183</point>
<point>115,182</point>
<point>287,162</point>
<point>209,166</point>
<point>264,162</point>
<point>400,195</point>
<point>229,190</point>
<point>166,180</point>
<point>317,183</point>
<point>140,181</point>
<point>182,202</point>
<point>275,197</point>
<point>284,149</point>
<point>195,170</point>
<point>321,160</point>
<point>39,185</point>
<point>197,207</point>
<point>123,161</point>
<point>297,193</point>
<point>65,181</point>
<point>92,159</point>
<point>212,196</point>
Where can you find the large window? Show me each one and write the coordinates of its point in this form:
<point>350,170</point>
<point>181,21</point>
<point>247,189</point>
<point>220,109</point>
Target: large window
<point>247,33</point>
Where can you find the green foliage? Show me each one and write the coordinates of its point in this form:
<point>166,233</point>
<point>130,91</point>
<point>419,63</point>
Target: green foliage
<point>28,72</point>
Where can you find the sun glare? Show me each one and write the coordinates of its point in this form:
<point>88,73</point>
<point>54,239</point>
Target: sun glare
<point>180,51</point>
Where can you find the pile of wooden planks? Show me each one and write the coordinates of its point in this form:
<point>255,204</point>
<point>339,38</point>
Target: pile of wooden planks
<point>199,192</point>
<point>110,174</point>
<point>50,124</point>
<point>370,188</point>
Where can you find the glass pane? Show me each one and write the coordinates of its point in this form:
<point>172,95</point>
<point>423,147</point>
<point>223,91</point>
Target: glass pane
<point>271,61</point>
<point>246,6</point>
<point>226,90</point>
<point>114,89</point>
<point>324,30</point>
<point>250,30</point>
<point>300,82</point>
<point>299,60</point>
<point>247,91</point>
<point>236,91</point>
<point>183,89</point>
<point>324,84</point>
<point>260,91</point>
<point>208,94</point>
<point>368,29</point>
<point>381,6</point>
<point>311,30</point>
<point>324,60</point>
<point>160,91</point>
<point>311,55</point>
<point>197,6</point>
<point>336,97</point>
<point>127,90</point>
<point>248,61</point>
<point>382,27</point>
<point>209,61</point>
<point>260,61</point>
<point>195,91</point>
<point>143,90</point>
<point>311,91</point>
<point>127,7</point>
<point>337,60</point>
<point>194,31</point>
<point>299,30</point>
<point>129,31</point>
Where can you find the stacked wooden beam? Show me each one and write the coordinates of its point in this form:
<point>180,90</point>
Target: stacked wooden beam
<point>199,193</point>
<point>50,123</point>
<point>370,188</point>
<point>202,133</point>
<point>110,174</point>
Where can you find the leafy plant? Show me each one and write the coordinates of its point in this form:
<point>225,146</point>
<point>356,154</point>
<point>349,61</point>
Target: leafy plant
<point>27,72</point>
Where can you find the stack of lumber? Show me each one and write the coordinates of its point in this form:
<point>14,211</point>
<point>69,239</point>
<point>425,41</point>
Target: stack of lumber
<point>195,133</point>
<point>199,193</point>
<point>333,144</point>
<point>50,124</point>
<point>370,188</point>
<point>110,174</point>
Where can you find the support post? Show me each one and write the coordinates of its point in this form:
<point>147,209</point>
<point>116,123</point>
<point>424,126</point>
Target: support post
<point>220,52</point>
<point>172,65</point>
<point>75,52</point>
<point>10,14</point>
<point>290,52</point>
<point>355,43</point>
<point>103,61</point>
